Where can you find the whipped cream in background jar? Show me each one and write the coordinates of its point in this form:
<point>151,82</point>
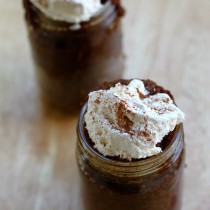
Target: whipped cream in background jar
<point>76,45</point>
<point>130,148</point>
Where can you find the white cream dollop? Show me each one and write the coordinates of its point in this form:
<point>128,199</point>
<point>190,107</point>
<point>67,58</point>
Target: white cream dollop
<point>127,122</point>
<point>73,11</point>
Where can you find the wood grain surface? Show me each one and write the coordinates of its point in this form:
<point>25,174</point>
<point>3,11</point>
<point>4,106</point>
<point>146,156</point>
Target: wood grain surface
<point>165,40</point>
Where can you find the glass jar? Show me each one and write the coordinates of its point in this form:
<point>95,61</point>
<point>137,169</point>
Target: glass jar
<point>154,183</point>
<point>69,61</point>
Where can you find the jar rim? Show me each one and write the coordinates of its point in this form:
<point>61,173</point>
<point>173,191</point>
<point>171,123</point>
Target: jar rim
<point>62,25</point>
<point>145,164</point>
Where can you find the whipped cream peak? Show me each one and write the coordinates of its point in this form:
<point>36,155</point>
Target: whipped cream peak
<point>73,11</point>
<point>128,122</point>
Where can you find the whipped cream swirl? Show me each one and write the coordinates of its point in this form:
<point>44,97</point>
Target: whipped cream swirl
<point>128,122</point>
<point>73,11</point>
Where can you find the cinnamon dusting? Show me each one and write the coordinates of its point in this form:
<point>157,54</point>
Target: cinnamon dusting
<point>125,123</point>
<point>141,95</point>
<point>122,120</point>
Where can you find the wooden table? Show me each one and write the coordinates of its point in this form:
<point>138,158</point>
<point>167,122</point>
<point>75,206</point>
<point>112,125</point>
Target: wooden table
<point>165,40</point>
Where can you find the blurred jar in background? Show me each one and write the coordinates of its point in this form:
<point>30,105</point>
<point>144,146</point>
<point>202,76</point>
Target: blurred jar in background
<point>74,53</point>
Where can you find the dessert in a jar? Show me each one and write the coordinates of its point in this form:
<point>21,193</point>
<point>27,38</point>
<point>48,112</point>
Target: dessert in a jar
<point>75,45</point>
<point>130,148</point>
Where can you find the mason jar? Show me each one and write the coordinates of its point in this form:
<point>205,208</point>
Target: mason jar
<point>154,183</point>
<point>70,61</point>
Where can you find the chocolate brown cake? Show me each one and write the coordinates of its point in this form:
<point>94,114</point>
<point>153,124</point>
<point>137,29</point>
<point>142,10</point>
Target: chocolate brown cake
<point>153,183</point>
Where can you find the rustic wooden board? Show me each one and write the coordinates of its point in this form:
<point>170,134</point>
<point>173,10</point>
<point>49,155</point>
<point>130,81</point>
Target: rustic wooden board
<point>165,40</point>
